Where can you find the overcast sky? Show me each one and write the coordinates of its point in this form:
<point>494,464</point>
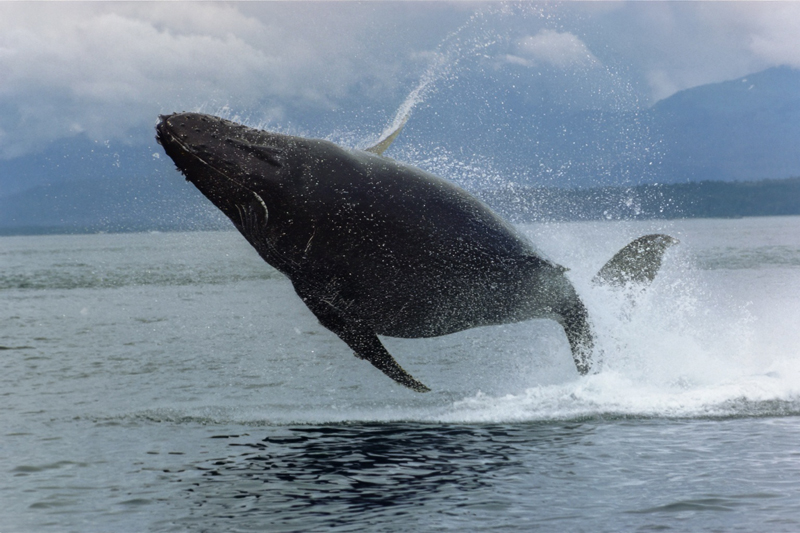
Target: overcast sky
<point>107,69</point>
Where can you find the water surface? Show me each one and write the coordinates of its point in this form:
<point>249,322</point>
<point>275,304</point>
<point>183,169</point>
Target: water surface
<point>173,382</point>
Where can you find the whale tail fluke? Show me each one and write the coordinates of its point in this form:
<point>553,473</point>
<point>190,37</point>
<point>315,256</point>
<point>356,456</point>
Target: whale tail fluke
<point>636,264</point>
<point>575,321</point>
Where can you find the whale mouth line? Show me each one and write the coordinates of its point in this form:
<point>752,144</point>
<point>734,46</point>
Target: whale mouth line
<point>194,154</point>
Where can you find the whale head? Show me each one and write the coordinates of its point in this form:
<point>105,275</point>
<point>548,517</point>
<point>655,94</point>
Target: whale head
<point>233,165</point>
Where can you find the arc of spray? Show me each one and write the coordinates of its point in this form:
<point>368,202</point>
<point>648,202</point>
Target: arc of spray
<point>442,66</point>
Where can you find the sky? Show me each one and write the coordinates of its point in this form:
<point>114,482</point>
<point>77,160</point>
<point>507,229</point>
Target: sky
<point>107,69</point>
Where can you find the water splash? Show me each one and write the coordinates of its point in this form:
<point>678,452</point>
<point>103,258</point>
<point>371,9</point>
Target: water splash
<point>470,39</point>
<point>693,346</point>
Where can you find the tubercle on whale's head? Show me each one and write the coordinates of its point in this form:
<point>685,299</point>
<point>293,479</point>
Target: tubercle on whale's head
<point>232,165</point>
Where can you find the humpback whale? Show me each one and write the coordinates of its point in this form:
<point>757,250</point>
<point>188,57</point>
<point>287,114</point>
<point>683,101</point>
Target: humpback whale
<point>377,247</point>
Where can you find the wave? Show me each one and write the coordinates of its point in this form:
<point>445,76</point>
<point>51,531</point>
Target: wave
<point>749,258</point>
<point>92,277</point>
<point>699,344</point>
<point>109,261</point>
<point>609,395</point>
<point>613,396</point>
<point>534,406</point>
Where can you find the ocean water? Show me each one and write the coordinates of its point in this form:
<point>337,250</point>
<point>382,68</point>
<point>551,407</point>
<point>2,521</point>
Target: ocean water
<point>174,382</point>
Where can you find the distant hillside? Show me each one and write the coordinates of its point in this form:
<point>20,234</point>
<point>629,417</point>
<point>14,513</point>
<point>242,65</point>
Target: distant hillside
<point>559,160</point>
<point>705,199</point>
<point>503,121</point>
<point>106,205</point>
<point>743,129</point>
<point>174,205</point>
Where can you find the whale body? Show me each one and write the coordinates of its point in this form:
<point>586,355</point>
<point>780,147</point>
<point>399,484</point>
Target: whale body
<point>371,245</point>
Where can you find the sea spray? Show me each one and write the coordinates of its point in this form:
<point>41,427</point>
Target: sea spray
<point>688,347</point>
<point>443,64</point>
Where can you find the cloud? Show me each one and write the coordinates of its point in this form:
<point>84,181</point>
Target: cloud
<point>86,69</point>
<point>774,33</point>
<point>562,50</point>
<point>106,69</point>
<point>673,46</point>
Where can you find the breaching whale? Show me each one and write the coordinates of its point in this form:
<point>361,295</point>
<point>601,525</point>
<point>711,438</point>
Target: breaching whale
<point>374,246</point>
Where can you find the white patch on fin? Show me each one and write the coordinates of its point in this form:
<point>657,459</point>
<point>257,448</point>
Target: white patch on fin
<point>264,205</point>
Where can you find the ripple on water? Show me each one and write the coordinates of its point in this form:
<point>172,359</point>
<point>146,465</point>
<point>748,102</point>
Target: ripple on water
<point>409,476</point>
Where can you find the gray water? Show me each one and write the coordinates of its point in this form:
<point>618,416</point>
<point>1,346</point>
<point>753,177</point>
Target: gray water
<point>174,382</point>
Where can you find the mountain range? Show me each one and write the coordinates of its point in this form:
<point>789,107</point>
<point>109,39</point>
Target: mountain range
<point>517,135</point>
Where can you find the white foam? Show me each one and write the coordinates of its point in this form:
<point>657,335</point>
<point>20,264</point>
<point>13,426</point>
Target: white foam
<point>690,346</point>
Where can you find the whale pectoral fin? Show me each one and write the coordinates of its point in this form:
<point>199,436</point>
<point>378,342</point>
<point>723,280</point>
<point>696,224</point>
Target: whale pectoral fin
<point>367,345</point>
<point>637,263</point>
<point>363,341</point>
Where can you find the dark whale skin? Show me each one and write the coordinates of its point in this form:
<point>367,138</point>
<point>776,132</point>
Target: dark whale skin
<point>371,245</point>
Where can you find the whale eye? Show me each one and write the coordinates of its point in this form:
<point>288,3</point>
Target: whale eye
<point>267,154</point>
